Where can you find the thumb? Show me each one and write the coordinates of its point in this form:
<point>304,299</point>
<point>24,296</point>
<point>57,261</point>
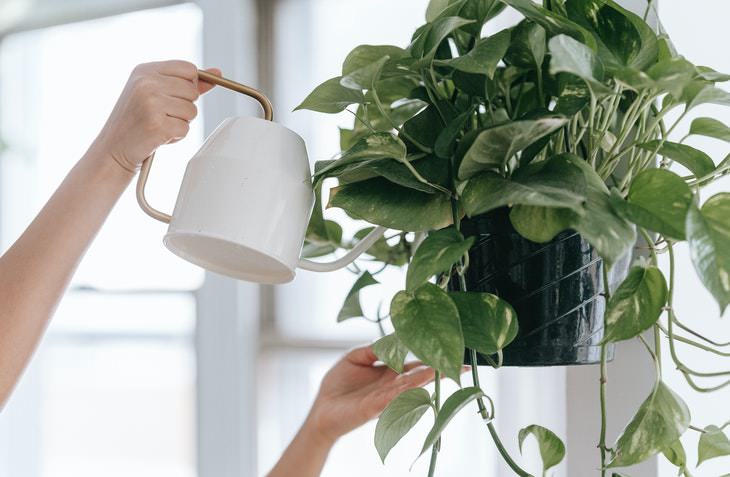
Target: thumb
<point>203,86</point>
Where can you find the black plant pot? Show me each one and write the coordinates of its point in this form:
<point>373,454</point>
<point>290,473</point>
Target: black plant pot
<point>555,288</point>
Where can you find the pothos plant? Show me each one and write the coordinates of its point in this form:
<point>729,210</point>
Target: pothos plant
<point>560,118</point>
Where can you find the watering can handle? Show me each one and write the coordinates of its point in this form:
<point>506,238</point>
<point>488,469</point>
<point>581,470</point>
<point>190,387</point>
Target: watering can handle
<point>147,164</point>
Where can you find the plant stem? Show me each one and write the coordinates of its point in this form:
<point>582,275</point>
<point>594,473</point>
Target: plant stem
<point>437,406</point>
<point>603,381</point>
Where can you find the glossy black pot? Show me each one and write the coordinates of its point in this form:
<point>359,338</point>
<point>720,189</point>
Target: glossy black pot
<point>555,288</point>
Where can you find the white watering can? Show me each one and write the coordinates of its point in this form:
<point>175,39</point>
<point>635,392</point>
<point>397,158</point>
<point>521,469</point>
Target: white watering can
<point>245,200</point>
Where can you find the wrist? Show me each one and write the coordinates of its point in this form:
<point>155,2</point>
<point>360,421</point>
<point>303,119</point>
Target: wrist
<point>104,166</point>
<point>103,157</point>
<point>313,432</point>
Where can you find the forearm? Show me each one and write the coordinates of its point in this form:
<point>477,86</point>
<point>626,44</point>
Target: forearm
<point>305,456</point>
<point>36,270</point>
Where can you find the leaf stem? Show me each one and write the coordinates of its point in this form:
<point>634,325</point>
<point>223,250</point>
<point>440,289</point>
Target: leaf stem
<point>603,381</point>
<point>437,406</point>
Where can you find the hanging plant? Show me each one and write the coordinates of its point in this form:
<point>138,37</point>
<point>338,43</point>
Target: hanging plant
<point>552,129</point>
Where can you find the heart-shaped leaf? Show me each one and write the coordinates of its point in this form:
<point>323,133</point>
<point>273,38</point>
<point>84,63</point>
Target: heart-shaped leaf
<point>488,322</point>
<point>571,56</point>
<point>698,163</point>
<point>331,97</point>
<point>711,128</point>
<point>713,443</point>
<point>552,449</point>
<point>540,224</point>
<point>556,183</point>
<point>493,147</point>
<point>375,146</point>
<point>430,37</point>
<point>527,48</point>
<point>624,39</point>
<point>365,77</point>
<point>708,234</point>
<point>662,419</point>
<point>455,403</point>
<point>351,307</point>
<point>552,22</point>
<point>437,254</point>
<point>399,417</point>
<point>637,303</point>
<point>676,455</point>
<point>391,351</point>
<point>658,200</point>
<point>382,202</point>
<point>484,57</point>
<point>427,322</point>
<point>699,92</point>
<point>364,55</point>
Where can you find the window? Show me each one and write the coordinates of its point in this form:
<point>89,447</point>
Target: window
<point>111,391</point>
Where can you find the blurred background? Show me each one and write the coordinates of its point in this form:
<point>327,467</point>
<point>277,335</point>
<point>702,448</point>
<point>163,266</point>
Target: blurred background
<point>153,367</point>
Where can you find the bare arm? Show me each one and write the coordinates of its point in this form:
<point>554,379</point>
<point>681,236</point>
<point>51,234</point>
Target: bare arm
<point>154,109</point>
<point>353,392</point>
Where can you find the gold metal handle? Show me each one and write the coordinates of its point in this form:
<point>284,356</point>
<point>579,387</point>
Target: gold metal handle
<point>147,164</point>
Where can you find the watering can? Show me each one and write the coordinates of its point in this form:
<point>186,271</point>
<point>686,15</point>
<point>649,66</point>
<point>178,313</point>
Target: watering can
<point>245,200</point>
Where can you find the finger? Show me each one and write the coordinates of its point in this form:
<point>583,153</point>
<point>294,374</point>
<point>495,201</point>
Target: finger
<point>179,88</point>
<point>204,86</point>
<point>178,69</point>
<point>363,356</point>
<point>180,109</point>
<point>411,364</point>
<point>416,377</point>
<point>176,129</point>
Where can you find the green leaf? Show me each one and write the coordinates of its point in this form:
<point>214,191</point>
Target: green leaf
<point>662,419</point>
<point>552,449</point>
<point>331,97</point>
<point>382,202</point>
<point>713,443</point>
<point>455,403</point>
<point>672,75</point>
<point>637,303</point>
<point>351,307</point>
<point>527,48</point>
<point>374,146</point>
<point>487,322</point>
<point>552,22</point>
<point>708,234</point>
<point>364,55</point>
<point>698,163</point>
<point>436,7</point>
<point>399,417</point>
<point>709,74</point>
<point>658,200</point>
<point>540,224</point>
<point>557,183</point>
<point>431,168</point>
<point>711,128</point>
<point>676,455</point>
<point>493,147</point>
<point>571,56</point>
<point>699,92</point>
<point>365,77</point>
<point>437,254</point>
<point>624,39</point>
<point>484,57</point>
<point>425,45</point>
<point>427,322</point>
<point>444,146</point>
<point>391,351</point>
